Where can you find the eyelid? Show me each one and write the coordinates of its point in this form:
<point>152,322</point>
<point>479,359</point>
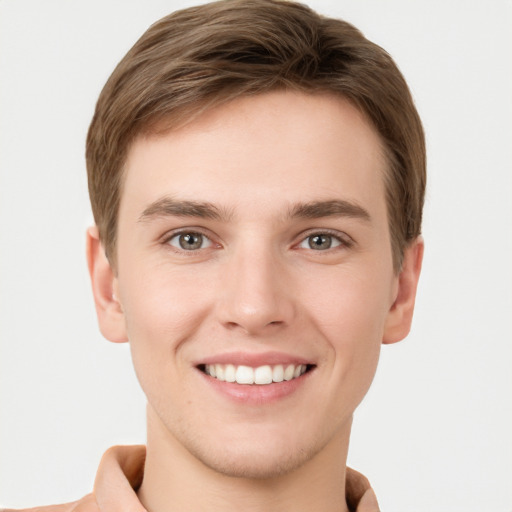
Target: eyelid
<point>169,235</point>
<point>205,241</point>
<point>345,240</point>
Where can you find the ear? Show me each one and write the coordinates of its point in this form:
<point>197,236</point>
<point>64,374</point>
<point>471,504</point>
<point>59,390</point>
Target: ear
<point>398,322</point>
<point>104,288</point>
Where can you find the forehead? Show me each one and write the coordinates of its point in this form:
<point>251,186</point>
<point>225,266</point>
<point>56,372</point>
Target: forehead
<point>274,149</point>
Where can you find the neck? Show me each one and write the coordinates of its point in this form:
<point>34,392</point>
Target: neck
<point>176,480</point>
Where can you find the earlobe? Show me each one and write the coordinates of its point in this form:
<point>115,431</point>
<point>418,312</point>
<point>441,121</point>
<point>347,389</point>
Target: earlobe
<point>398,322</point>
<point>104,283</point>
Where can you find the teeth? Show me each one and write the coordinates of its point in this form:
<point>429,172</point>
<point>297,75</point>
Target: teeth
<point>278,373</point>
<point>219,371</point>
<point>230,373</point>
<point>261,375</point>
<point>289,372</point>
<point>244,375</point>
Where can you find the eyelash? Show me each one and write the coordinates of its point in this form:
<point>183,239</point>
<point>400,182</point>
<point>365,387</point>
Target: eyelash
<point>342,241</point>
<point>175,235</point>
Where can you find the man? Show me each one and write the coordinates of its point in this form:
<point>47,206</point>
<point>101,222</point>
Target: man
<point>256,174</point>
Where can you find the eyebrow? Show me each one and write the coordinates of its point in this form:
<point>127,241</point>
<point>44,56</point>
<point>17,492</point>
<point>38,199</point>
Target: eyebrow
<point>331,208</point>
<point>167,206</point>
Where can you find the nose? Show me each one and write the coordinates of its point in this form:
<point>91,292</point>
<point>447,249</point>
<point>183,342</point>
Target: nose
<point>257,292</point>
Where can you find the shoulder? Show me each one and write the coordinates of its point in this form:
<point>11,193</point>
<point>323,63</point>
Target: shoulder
<point>86,504</point>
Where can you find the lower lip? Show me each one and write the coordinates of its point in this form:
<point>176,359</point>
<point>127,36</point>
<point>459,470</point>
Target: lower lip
<point>254,394</point>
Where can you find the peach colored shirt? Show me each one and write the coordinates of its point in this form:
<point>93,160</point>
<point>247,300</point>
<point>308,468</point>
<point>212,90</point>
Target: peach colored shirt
<point>121,470</point>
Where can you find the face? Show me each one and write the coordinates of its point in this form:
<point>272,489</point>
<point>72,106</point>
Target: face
<point>255,279</point>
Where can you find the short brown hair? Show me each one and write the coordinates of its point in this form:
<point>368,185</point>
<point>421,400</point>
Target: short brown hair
<point>207,55</point>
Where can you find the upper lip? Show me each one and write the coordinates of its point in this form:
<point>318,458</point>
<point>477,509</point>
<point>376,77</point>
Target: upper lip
<point>254,359</point>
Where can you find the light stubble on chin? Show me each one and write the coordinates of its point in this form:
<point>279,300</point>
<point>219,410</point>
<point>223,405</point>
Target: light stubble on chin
<point>241,467</point>
<point>253,464</point>
<point>247,460</point>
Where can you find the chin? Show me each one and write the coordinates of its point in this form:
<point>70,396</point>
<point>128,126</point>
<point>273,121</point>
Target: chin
<point>255,465</point>
<point>259,457</point>
<point>266,449</point>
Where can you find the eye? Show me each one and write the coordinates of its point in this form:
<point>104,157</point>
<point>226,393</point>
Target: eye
<point>320,242</point>
<point>190,241</point>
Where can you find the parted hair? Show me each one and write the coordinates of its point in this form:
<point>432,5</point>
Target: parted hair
<point>201,57</point>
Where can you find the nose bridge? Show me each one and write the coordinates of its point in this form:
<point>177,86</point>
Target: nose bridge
<point>255,296</point>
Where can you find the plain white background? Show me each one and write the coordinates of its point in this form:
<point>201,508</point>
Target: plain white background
<point>434,433</point>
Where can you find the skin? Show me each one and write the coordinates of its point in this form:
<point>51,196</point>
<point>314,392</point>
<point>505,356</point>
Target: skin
<point>257,283</point>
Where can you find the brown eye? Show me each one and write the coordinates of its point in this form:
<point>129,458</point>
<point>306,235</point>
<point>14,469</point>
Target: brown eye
<point>190,241</point>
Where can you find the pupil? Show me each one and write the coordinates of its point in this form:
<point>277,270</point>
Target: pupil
<point>320,242</point>
<point>191,241</point>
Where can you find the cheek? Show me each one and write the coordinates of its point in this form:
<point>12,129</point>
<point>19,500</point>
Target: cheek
<point>351,306</point>
<point>162,311</point>
<point>351,317</point>
<point>162,300</point>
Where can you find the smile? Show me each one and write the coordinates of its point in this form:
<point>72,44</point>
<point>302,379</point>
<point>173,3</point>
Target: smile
<point>261,375</point>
